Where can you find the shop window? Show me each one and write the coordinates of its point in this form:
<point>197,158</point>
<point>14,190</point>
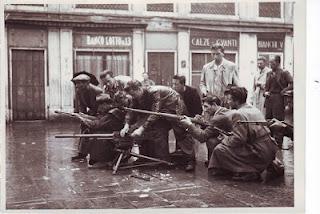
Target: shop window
<point>270,9</point>
<point>268,56</point>
<point>213,8</point>
<point>95,62</point>
<point>104,6</point>
<point>160,7</point>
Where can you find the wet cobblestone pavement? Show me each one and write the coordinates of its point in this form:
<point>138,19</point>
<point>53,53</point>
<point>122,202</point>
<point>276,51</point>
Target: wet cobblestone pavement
<point>40,175</point>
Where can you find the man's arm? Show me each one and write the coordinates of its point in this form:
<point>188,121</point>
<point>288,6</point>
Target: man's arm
<point>235,76</point>
<point>197,103</point>
<point>202,85</point>
<point>289,80</point>
<point>155,108</point>
<point>240,132</point>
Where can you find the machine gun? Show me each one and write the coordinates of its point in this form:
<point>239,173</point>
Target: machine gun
<point>178,117</point>
<point>123,146</point>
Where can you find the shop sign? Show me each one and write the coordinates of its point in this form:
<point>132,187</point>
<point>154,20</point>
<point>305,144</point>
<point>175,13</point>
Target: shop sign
<point>104,41</point>
<point>270,42</point>
<point>205,39</point>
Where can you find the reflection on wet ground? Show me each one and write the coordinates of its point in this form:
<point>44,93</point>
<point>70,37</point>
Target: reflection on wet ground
<point>41,175</point>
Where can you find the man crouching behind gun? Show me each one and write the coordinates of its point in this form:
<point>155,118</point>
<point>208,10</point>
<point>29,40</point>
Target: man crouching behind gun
<point>249,151</point>
<point>154,128</point>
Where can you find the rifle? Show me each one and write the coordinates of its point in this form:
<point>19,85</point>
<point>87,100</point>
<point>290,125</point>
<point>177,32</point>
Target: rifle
<point>263,123</point>
<point>97,136</point>
<point>76,115</point>
<point>177,117</point>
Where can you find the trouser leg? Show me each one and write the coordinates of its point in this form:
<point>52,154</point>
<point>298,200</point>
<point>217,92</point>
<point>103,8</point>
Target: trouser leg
<point>211,144</point>
<point>185,141</point>
<point>84,144</point>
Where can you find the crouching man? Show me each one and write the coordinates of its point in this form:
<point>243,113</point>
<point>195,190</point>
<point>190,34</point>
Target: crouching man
<point>250,150</point>
<point>154,128</point>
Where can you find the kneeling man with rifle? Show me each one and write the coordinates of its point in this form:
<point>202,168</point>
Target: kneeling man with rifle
<point>155,128</point>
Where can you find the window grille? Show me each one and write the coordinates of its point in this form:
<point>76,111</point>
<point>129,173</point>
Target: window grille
<point>160,7</point>
<point>270,9</point>
<point>104,6</point>
<point>213,8</point>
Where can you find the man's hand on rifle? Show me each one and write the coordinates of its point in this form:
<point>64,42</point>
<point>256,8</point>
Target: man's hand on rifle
<point>276,125</point>
<point>124,130</point>
<point>138,132</point>
<point>186,121</point>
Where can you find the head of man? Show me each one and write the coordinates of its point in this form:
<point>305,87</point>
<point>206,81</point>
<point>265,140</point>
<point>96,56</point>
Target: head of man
<point>81,82</point>
<point>145,76</point>
<point>275,62</point>
<point>179,83</point>
<point>210,105</point>
<point>106,77</point>
<point>134,89</point>
<point>236,96</point>
<point>261,62</point>
<point>217,52</point>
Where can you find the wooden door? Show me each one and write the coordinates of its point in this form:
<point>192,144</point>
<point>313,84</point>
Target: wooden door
<point>28,89</point>
<point>161,67</point>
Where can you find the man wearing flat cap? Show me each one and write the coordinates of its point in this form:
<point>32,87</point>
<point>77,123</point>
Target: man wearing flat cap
<point>86,94</point>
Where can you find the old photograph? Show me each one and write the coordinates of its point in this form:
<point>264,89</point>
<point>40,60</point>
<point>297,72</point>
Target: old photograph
<point>163,105</point>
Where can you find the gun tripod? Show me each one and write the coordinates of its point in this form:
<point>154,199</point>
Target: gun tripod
<point>128,153</point>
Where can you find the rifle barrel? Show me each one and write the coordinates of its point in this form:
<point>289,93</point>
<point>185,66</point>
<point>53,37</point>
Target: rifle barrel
<point>173,116</point>
<point>101,136</point>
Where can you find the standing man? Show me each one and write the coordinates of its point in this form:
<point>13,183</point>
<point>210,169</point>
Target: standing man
<point>216,75</point>
<point>146,81</point>
<point>278,82</point>
<point>154,128</point>
<point>259,83</point>
<point>188,94</point>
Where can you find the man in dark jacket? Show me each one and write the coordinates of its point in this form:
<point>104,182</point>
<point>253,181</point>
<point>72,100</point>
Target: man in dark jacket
<point>155,129</point>
<point>277,83</point>
<point>190,95</point>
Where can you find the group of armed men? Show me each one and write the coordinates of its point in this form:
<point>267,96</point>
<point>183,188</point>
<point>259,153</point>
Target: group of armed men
<point>244,155</point>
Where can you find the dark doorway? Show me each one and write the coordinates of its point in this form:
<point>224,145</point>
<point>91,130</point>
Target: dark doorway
<point>161,67</point>
<point>28,89</point>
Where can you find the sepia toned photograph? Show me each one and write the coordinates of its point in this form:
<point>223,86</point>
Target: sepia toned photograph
<point>162,105</point>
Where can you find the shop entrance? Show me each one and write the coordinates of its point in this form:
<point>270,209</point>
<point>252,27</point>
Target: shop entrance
<point>161,67</point>
<point>28,89</point>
